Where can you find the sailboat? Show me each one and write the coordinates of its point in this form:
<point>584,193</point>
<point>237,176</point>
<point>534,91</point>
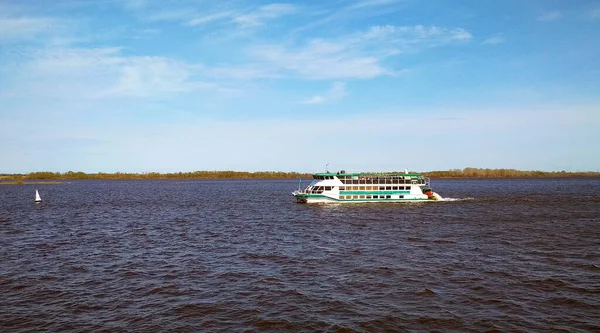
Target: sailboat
<point>37,196</point>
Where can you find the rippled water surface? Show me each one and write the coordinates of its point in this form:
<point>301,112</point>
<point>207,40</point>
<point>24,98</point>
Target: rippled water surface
<point>240,255</point>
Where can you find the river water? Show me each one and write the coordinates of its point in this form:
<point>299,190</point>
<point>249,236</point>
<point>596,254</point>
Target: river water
<point>519,255</point>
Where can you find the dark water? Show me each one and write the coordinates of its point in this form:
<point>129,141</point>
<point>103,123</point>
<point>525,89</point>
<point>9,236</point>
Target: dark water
<point>233,256</point>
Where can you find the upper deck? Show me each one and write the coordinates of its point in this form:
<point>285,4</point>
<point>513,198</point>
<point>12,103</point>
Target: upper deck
<point>343,175</point>
<point>373,178</point>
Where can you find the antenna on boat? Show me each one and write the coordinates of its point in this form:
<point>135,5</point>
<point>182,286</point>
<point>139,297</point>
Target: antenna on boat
<point>326,168</point>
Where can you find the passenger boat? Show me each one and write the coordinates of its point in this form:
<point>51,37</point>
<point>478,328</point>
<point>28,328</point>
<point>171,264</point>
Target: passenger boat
<point>342,187</point>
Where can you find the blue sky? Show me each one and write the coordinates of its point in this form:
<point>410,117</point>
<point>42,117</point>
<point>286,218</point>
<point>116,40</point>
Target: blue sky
<point>364,85</point>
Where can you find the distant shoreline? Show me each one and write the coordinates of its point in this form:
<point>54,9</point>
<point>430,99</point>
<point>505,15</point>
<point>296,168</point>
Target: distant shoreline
<point>469,173</point>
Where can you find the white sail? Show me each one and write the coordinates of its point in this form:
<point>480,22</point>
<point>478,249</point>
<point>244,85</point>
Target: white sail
<point>37,197</point>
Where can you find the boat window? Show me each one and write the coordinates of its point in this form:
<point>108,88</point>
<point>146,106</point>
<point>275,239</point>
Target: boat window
<point>369,188</point>
<point>375,197</point>
<point>327,188</point>
<point>362,188</point>
<point>341,197</point>
<point>362,196</point>
<point>355,188</point>
<point>408,187</point>
<point>394,188</point>
<point>401,197</point>
<point>342,188</point>
<point>381,188</point>
<point>355,197</point>
<point>388,196</point>
<point>368,197</point>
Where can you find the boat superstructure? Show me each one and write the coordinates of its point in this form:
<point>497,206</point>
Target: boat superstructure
<point>366,187</point>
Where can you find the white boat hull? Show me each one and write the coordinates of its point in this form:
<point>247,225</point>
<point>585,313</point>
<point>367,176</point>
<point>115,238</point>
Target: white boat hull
<point>366,187</point>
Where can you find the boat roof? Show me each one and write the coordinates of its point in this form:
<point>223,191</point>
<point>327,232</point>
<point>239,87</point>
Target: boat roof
<point>369,174</point>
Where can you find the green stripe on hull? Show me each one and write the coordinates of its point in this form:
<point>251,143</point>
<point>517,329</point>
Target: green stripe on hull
<point>378,200</point>
<point>319,196</point>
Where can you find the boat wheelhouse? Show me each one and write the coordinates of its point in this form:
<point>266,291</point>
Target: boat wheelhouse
<point>366,187</point>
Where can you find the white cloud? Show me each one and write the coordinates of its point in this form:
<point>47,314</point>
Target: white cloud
<point>336,92</point>
<point>320,60</point>
<point>23,27</point>
<point>134,4</point>
<point>498,39</point>
<point>359,55</point>
<point>413,34</point>
<point>98,73</point>
<point>267,12</point>
<point>193,15</point>
<point>550,16</point>
<point>198,20</point>
<point>594,14</point>
<point>175,14</point>
<point>250,71</point>
<point>373,3</point>
<point>149,76</point>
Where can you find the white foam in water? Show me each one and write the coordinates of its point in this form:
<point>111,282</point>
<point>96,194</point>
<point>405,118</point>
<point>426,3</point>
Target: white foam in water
<point>455,199</point>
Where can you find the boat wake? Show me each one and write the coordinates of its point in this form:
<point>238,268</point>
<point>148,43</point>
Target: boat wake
<point>457,199</point>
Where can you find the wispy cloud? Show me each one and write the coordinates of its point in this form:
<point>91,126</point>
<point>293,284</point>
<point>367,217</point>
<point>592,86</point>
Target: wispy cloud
<point>330,12</point>
<point>320,60</point>
<point>134,4</point>
<point>267,12</point>
<point>497,39</point>
<point>64,73</point>
<point>594,14</point>
<point>336,92</point>
<point>13,28</point>
<point>412,34</point>
<point>198,20</point>
<point>172,14</point>
<point>551,16</point>
<point>359,55</point>
<point>372,3</point>
<point>190,14</point>
<point>243,72</point>
<point>149,76</point>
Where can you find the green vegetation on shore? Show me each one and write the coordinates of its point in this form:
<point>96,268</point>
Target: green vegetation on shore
<point>455,173</point>
<point>505,173</point>
<point>70,175</point>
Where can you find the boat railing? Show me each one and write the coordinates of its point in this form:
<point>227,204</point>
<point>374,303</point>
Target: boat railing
<point>427,181</point>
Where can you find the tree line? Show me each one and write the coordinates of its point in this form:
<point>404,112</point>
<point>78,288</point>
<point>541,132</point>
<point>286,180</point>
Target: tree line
<point>453,173</point>
<point>71,175</point>
<point>505,173</point>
